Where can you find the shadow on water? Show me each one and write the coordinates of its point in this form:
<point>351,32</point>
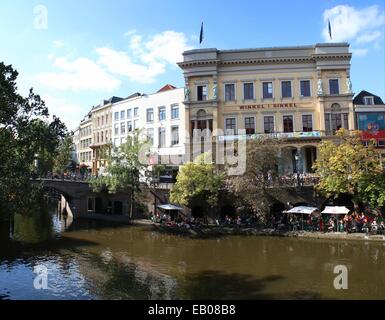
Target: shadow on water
<point>98,225</point>
<point>113,279</point>
<point>210,285</point>
<point>34,234</point>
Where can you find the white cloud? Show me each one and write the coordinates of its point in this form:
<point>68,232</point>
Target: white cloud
<point>120,63</point>
<point>360,52</point>
<point>68,112</point>
<point>143,62</point>
<point>358,26</point>
<point>369,37</point>
<point>130,33</point>
<point>146,59</point>
<point>58,43</point>
<point>167,46</point>
<point>80,74</point>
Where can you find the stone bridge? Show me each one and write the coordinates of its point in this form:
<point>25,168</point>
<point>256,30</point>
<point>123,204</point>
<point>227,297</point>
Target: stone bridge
<point>79,198</point>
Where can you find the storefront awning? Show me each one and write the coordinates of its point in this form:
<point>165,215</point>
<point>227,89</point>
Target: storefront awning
<point>335,210</point>
<point>302,209</point>
<point>170,207</point>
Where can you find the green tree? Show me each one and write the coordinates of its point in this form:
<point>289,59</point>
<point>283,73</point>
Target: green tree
<point>45,141</point>
<point>197,181</point>
<point>346,166</point>
<point>63,155</point>
<point>250,189</point>
<point>125,169</point>
<point>23,134</point>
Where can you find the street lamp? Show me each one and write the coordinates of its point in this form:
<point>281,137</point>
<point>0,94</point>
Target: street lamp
<point>297,167</point>
<point>36,163</point>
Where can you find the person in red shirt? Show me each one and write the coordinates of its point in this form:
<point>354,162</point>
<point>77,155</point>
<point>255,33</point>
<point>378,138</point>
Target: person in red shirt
<point>321,224</point>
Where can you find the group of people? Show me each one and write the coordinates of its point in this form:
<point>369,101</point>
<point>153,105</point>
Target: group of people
<point>303,179</point>
<point>178,221</point>
<point>359,223</point>
<point>348,223</point>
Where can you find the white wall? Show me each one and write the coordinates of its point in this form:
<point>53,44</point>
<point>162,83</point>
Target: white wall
<point>162,99</point>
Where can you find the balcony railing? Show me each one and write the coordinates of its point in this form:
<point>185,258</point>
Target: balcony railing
<point>275,135</point>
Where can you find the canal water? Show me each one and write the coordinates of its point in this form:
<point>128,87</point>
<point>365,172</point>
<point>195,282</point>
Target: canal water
<point>89,260</point>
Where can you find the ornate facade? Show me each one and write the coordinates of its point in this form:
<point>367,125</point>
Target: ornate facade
<point>300,94</point>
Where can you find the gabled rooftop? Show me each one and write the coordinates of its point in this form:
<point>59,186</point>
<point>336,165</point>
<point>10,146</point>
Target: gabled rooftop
<point>167,87</point>
<point>359,99</point>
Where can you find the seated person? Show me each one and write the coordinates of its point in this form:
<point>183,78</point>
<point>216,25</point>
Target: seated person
<point>374,226</point>
<point>331,225</point>
<point>382,228</point>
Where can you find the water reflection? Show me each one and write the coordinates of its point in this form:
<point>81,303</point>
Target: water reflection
<point>93,260</point>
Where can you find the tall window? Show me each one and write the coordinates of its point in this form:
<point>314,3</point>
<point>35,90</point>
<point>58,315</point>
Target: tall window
<point>101,137</point>
<point>116,114</point>
<point>201,93</point>
<point>150,115</point>
<point>230,125</point>
<point>174,135</point>
<point>116,129</point>
<point>336,120</point>
<point>102,120</point>
<point>175,111</point>
<point>334,86</point>
<point>162,113</point>
<point>129,126</point>
<point>162,137</point>
<point>122,128</point>
<point>307,123</point>
<point>106,118</point>
<point>286,89</point>
<point>129,113</point>
<point>250,125</point>
<point>267,90</point>
<point>230,92</point>
<point>150,135</point>
<point>288,125</point>
<point>136,126</point>
<point>248,91</point>
<point>305,88</point>
<point>268,122</point>
<point>122,115</point>
<point>136,112</point>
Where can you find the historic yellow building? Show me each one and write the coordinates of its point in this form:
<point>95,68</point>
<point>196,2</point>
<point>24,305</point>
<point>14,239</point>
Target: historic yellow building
<point>85,137</point>
<point>101,133</point>
<point>301,94</point>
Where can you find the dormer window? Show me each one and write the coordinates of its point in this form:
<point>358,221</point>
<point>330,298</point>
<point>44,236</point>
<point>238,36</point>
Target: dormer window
<point>368,100</point>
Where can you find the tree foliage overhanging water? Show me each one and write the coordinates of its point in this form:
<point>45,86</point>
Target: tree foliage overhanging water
<point>28,136</point>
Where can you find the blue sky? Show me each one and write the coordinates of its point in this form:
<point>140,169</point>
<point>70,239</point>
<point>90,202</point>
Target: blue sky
<point>75,53</point>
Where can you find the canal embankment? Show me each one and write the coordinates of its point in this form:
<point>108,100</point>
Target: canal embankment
<point>218,231</point>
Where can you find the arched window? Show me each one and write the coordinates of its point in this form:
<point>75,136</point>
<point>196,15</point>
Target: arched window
<point>336,119</point>
<point>203,121</point>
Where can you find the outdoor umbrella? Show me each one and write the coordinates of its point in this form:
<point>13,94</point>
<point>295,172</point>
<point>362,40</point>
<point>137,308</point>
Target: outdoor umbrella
<point>302,210</point>
<point>337,210</point>
<point>172,208</point>
<point>169,207</point>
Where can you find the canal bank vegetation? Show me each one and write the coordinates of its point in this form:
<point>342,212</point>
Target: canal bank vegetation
<point>205,183</point>
<point>125,169</point>
<point>345,169</point>
<point>346,166</point>
<point>198,182</point>
<point>29,139</point>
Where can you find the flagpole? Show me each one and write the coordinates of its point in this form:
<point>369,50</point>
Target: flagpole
<point>201,36</point>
